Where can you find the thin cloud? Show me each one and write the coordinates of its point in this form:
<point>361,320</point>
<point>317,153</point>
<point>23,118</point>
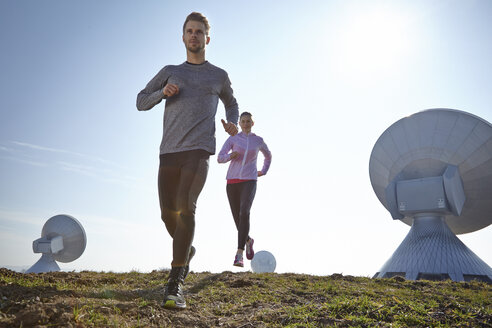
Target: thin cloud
<point>67,152</point>
<point>102,174</point>
<point>25,161</point>
<point>102,169</point>
<point>20,217</point>
<point>37,147</point>
<point>82,169</point>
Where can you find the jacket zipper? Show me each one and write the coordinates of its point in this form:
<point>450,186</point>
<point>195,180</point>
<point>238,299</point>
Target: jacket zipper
<point>244,158</point>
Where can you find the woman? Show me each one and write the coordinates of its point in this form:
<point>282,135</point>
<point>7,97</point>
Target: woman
<point>242,150</point>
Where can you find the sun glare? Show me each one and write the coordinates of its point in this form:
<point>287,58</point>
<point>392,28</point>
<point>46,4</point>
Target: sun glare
<point>373,42</point>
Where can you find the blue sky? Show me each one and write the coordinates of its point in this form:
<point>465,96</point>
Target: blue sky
<point>323,79</point>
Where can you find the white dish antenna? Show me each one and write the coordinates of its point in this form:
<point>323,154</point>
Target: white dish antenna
<point>263,261</point>
<point>433,170</point>
<point>63,239</point>
<point>424,146</point>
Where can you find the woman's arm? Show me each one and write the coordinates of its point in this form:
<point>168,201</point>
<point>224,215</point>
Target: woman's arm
<point>268,159</point>
<point>224,156</point>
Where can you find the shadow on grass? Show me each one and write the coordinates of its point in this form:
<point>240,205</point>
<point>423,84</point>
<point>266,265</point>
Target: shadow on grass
<point>204,283</point>
<point>15,292</point>
<point>154,293</point>
<point>149,294</point>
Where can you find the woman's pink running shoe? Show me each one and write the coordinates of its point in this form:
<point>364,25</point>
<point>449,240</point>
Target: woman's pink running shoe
<point>238,261</point>
<point>250,253</point>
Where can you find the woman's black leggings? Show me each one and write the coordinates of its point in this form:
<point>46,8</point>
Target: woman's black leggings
<point>241,196</point>
<point>181,179</point>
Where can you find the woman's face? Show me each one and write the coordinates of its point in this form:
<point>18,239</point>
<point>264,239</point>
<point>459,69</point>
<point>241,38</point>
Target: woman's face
<point>245,122</point>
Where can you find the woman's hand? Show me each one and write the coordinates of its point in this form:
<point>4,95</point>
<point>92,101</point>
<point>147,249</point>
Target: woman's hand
<point>234,154</point>
<point>260,174</point>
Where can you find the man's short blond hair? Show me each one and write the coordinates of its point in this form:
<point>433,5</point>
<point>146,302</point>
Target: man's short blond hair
<point>197,17</point>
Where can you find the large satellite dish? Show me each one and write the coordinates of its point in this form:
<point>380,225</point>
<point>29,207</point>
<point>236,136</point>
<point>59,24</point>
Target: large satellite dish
<point>263,261</point>
<point>63,239</point>
<point>433,171</point>
<point>423,145</point>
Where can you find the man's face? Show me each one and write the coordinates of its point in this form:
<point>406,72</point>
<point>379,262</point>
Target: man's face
<point>194,36</point>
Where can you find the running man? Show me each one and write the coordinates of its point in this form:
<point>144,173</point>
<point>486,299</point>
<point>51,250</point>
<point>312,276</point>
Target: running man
<point>192,91</point>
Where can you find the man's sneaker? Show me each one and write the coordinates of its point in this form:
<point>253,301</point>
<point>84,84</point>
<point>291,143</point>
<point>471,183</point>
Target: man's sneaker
<point>238,261</point>
<point>173,293</point>
<point>190,256</point>
<point>250,253</point>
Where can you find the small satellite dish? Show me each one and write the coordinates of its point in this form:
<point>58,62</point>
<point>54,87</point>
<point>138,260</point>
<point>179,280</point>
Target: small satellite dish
<point>263,261</point>
<point>62,239</point>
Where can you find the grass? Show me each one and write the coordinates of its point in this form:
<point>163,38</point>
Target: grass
<point>107,299</point>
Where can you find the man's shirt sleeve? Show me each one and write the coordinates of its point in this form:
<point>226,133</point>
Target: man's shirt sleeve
<point>153,94</point>
<point>230,103</point>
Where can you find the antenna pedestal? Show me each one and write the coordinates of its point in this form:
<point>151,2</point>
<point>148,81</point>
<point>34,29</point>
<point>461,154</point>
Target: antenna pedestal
<point>432,251</point>
<point>45,264</point>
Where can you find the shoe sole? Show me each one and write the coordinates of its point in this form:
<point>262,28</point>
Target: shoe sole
<point>171,304</point>
<point>239,265</point>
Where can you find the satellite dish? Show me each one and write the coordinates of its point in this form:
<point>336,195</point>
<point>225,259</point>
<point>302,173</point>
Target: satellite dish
<point>263,261</point>
<point>424,145</point>
<point>63,239</point>
<point>433,171</point>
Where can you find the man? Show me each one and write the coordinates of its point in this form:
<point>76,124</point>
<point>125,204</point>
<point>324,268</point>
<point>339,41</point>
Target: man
<point>192,91</point>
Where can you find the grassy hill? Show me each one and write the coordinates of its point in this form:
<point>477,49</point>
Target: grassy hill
<point>86,299</point>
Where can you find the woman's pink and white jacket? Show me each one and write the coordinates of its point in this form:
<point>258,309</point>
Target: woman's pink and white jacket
<point>244,166</point>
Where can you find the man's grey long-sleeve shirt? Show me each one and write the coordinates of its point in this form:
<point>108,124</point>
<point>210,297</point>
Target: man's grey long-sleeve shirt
<point>189,116</point>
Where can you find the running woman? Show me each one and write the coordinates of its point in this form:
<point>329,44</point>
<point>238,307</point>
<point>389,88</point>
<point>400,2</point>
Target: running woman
<point>242,150</point>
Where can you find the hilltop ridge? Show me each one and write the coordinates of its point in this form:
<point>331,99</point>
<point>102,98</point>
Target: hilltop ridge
<point>102,299</point>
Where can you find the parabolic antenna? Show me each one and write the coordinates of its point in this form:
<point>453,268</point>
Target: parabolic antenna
<point>433,171</point>
<point>424,145</point>
<point>63,239</point>
<point>263,261</point>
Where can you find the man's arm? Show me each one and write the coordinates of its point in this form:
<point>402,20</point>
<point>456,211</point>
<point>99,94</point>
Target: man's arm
<point>153,93</point>
<point>231,107</point>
